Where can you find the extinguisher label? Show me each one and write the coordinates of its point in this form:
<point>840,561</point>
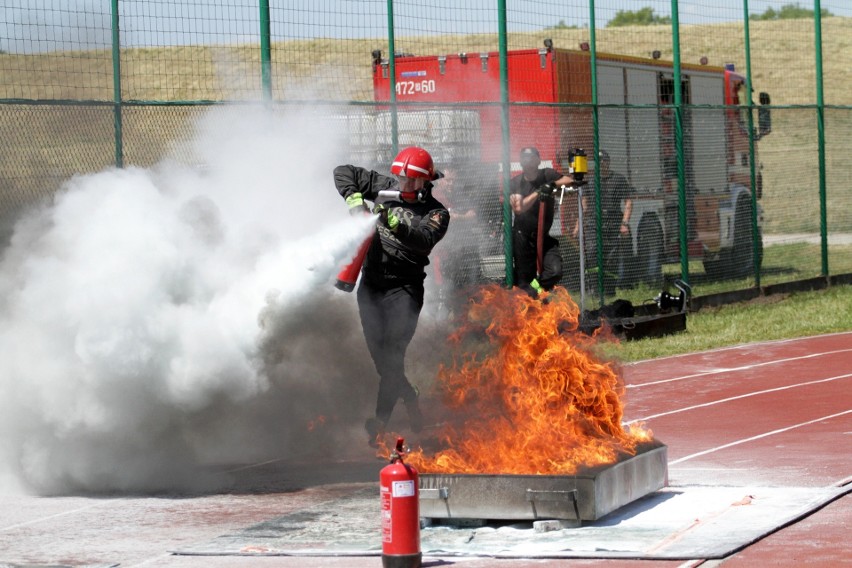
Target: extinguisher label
<point>387,526</point>
<point>403,488</point>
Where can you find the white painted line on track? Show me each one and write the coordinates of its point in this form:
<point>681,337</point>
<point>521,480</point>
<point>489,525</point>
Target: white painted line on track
<point>738,397</point>
<point>758,437</point>
<point>692,563</point>
<point>844,481</point>
<point>737,369</point>
<point>253,465</point>
<point>62,514</point>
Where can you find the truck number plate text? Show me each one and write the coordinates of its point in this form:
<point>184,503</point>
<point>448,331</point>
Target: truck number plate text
<point>404,88</point>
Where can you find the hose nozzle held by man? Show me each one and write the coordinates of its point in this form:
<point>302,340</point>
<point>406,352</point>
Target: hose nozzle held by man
<point>538,263</point>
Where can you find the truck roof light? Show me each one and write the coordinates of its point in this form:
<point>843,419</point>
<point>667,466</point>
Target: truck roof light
<point>463,58</point>
<point>548,43</point>
<point>656,54</point>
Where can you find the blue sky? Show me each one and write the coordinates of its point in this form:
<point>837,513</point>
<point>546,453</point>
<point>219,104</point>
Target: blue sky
<point>46,25</point>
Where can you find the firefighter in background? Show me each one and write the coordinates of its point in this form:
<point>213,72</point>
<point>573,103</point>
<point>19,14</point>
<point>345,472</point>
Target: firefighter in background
<point>390,294</point>
<point>534,186</point>
<point>616,208</point>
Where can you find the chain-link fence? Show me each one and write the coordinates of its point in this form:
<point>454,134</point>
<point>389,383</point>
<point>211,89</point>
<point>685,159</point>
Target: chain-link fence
<point>735,179</point>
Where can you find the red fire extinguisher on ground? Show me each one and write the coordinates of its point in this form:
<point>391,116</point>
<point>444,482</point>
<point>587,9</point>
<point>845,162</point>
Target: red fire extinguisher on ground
<point>400,513</point>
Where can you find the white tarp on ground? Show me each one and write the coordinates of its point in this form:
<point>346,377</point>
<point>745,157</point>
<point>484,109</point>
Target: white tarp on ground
<point>674,523</point>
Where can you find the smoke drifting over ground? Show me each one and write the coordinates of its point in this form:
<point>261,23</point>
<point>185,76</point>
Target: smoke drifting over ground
<point>156,321</point>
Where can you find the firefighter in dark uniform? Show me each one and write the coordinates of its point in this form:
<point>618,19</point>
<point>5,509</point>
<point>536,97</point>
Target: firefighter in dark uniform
<point>616,209</point>
<point>390,294</point>
<point>534,186</point>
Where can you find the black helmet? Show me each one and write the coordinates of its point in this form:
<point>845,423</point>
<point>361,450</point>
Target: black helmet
<point>530,152</point>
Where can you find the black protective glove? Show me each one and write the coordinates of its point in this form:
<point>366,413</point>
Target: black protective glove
<point>546,191</point>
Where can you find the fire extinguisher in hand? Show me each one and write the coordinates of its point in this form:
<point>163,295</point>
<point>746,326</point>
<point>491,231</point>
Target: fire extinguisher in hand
<point>399,485</point>
<point>348,275</point>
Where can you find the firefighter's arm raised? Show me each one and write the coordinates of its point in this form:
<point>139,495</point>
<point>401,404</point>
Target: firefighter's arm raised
<point>356,184</point>
<point>564,180</point>
<point>520,204</point>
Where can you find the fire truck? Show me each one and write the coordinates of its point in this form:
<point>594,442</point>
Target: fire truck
<point>636,125</point>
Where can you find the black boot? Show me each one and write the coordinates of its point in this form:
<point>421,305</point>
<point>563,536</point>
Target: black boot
<point>415,417</point>
<point>375,430</point>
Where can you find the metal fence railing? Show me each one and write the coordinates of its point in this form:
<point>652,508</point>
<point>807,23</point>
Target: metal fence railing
<point>727,195</point>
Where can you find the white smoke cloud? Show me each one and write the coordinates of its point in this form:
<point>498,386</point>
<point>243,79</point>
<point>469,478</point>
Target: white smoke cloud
<point>154,322</point>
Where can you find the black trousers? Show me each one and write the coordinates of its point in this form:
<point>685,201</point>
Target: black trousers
<point>389,319</point>
<point>525,253</point>
<point>617,250</point>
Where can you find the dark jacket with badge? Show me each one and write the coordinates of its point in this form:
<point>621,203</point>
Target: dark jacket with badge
<point>526,222</point>
<point>395,258</point>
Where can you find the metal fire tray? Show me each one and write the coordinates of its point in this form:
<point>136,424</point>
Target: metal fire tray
<point>586,496</point>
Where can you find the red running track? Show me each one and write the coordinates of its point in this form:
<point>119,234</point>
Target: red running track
<point>773,414</point>
<point>764,414</point>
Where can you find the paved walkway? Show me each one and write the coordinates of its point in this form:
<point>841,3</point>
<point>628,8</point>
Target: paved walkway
<point>812,238</point>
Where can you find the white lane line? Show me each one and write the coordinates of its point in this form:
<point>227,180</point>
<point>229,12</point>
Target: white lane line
<point>252,465</point>
<point>62,514</point>
<point>736,369</point>
<point>758,437</point>
<point>691,564</point>
<point>738,397</point>
<point>844,481</point>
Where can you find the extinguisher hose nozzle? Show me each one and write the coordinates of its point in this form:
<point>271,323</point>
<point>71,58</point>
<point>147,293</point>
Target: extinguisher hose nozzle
<point>345,286</point>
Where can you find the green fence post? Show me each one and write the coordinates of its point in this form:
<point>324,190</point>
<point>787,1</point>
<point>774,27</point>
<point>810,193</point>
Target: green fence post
<point>593,65</point>
<point>265,51</point>
<point>116,86</point>
<point>755,235</point>
<point>823,219</point>
<point>504,119</point>
<point>392,71</point>
<point>681,172</point>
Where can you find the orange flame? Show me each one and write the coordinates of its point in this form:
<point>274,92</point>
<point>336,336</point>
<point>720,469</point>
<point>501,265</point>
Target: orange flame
<point>527,392</point>
<point>316,423</point>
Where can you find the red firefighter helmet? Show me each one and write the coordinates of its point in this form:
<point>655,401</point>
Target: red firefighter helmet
<point>414,162</point>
